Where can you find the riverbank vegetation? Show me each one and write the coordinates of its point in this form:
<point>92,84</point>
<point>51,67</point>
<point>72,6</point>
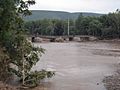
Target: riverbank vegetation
<point>17,54</point>
<point>105,26</point>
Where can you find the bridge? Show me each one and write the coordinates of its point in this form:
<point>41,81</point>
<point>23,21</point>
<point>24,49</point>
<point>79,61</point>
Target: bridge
<point>64,38</point>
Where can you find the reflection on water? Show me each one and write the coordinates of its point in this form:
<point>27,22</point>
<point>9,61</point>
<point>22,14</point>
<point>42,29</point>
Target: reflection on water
<point>78,66</point>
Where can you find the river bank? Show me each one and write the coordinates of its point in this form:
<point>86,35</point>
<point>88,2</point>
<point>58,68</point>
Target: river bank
<point>112,82</point>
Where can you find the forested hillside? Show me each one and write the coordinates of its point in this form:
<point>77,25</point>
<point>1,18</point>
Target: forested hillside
<point>41,14</point>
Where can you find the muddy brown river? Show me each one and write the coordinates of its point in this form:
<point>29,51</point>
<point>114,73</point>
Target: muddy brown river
<point>78,66</point>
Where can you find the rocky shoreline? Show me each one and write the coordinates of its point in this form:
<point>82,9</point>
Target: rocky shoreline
<point>112,82</point>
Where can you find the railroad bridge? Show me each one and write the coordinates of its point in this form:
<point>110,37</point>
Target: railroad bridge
<point>65,38</point>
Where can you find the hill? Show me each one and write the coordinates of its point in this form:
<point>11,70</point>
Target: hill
<point>41,14</point>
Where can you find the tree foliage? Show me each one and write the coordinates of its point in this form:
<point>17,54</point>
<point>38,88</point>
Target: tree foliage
<point>49,27</point>
<point>19,54</point>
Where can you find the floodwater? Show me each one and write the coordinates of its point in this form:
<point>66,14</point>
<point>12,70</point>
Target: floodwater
<point>78,66</point>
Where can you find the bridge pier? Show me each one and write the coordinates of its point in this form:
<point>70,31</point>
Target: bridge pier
<point>33,39</point>
<point>71,38</point>
<point>84,38</point>
<point>52,40</point>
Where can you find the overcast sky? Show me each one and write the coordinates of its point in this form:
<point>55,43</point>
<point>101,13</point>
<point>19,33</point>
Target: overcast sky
<point>97,6</point>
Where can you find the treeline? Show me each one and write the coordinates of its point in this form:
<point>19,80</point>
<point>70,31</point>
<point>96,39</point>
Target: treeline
<point>106,26</point>
<point>50,27</point>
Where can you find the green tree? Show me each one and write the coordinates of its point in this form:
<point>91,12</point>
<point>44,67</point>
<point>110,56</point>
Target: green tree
<point>95,28</point>
<point>20,55</point>
<point>78,23</point>
<point>111,25</point>
<point>58,28</point>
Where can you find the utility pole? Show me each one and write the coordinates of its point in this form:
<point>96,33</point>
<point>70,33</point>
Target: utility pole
<point>68,27</point>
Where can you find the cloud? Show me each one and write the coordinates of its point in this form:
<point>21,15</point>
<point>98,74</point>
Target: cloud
<point>101,6</point>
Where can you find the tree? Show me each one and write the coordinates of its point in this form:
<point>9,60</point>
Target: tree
<point>82,24</point>
<point>59,28</point>
<point>19,51</point>
<point>111,25</point>
<point>95,28</point>
<point>78,23</point>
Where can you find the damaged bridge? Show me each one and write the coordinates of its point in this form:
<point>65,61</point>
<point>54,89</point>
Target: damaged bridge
<point>63,38</point>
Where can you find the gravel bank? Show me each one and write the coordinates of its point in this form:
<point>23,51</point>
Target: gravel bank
<point>112,82</point>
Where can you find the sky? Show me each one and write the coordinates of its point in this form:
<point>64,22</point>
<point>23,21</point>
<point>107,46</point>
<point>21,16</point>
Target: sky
<point>96,6</point>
